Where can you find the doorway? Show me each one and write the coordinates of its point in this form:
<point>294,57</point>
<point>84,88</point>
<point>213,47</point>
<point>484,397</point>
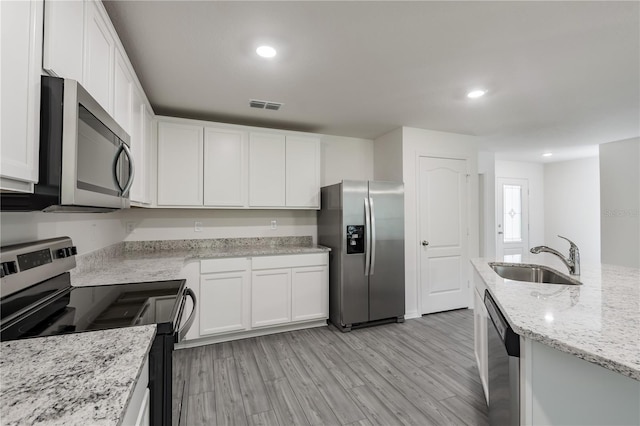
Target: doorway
<point>512,218</point>
<point>443,231</point>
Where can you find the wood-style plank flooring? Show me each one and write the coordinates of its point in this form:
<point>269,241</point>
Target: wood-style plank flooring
<point>421,372</point>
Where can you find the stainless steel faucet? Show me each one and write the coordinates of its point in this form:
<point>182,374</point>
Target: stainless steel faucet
<point>573,262</point>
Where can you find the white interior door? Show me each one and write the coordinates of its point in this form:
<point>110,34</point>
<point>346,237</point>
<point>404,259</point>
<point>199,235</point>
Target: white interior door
<point>512,218</point>
<point>444,259</point>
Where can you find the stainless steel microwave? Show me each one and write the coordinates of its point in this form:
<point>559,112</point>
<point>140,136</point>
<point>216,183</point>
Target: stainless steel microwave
<point>85,164</point>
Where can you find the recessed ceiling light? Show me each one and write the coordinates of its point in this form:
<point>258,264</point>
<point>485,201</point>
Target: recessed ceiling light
<point>476,93</point>
<point>547,154</point>
<point>266,51</point>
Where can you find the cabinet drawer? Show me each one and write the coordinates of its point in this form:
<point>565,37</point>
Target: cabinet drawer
<point>231,264</point>
<point>289,261</point>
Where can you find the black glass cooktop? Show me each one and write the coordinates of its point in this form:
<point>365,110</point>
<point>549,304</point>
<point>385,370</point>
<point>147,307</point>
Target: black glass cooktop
<point>76,309</point>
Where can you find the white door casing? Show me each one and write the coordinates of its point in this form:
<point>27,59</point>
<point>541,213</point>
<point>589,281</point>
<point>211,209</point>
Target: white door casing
<point>443,230</point>
<point>512,218</point>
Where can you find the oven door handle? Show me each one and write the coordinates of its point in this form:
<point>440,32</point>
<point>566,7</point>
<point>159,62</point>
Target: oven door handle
<point>187,325</point>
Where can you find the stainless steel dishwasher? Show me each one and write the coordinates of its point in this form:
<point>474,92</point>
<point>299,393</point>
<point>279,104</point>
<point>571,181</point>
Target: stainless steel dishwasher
<point>504,368</point>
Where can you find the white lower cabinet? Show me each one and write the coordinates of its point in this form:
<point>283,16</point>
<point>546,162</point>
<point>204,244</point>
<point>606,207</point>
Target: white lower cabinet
<point>224,294</point>
<point>309,287</point>
<point>251,296</point>
<point>137,411</point>
<point>480,318</point>
<point>270,297</point>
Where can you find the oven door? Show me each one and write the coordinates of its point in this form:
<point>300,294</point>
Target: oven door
<point>161,360</point>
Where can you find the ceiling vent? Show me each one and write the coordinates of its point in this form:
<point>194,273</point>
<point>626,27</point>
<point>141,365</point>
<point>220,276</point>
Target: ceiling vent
<point>274,106</point>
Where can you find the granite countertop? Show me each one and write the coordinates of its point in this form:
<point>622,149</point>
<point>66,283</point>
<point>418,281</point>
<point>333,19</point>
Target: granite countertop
<point>163,260</point>
<point>72,379</point>
<point>598,321</point>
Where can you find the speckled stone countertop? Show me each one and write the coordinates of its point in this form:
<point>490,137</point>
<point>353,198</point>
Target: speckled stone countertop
<point>73,379</point>
<point>163,260</point>
<point>598,321</point>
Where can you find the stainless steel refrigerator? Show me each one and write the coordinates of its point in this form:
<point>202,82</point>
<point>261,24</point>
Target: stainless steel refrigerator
<point>363,224</point>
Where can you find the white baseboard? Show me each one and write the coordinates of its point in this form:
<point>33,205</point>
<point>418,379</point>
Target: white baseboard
<point>412,315</point>
<point>227,337</point>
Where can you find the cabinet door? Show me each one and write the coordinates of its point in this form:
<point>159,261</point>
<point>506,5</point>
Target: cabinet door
<point>224,302</point>
<point>122,95</point>
<point>144,413</point>
<point>270,297</point>
<point>149,139</point>
<point>480,317</point>
<point>99,50</point>
<point>225,168</point>
<point>63,37</point>
<point>266,170</point>
<point>21,53</point>
<point>138,147</point>
<point>309,293</point>
<point>179,165</point>
<point>303,172</point>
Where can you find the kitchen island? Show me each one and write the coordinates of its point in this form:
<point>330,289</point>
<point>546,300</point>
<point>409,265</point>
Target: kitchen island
<point>73,379</point>
<point>580,345</point>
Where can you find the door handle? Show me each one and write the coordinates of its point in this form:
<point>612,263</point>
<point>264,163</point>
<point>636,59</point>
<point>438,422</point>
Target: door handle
<point>367,231</point>
<point>192,316</point>
<point>132,170</point>
<point>373,237</point>
<point>425,243</point>
<point>500,232</point>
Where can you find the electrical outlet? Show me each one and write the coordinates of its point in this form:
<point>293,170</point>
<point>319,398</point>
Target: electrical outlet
<point>274,224</point>
<point>131,226</point>
<point>197,226</point>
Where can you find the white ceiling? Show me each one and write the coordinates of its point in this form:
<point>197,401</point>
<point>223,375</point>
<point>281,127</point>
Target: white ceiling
<point>561,76</point>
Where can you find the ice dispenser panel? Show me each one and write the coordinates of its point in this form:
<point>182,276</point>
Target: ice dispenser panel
<point>355,239</point>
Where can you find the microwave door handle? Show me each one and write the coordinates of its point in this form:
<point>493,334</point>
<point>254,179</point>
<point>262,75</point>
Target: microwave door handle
<point>132,170</point>
<point>192,316</point>
<point>116,178</point>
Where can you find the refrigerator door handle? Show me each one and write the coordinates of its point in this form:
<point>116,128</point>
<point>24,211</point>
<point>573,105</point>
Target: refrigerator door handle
<point>367,231</point>
<point>373,236</point>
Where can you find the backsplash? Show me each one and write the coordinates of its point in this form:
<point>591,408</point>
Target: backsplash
<point>217,243</point>
<point>97,258</point>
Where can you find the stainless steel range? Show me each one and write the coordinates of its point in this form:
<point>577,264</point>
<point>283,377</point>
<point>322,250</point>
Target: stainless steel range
<point>37,299</point>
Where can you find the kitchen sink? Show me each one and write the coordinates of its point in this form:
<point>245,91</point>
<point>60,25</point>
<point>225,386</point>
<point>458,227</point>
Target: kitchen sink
<point>531,273</point>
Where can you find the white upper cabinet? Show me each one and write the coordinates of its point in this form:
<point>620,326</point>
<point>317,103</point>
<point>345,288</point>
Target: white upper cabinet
<point>246,169</point>
<point>267,172</point>
<point>180,164</point>
<point>99,52</point>
<point>303,172</point>
<point>63,38</point>
<point>225,167</point>
<point>139,149</point>
<point>21,53</point>
<point>123,96</point>
<point>149,138</point>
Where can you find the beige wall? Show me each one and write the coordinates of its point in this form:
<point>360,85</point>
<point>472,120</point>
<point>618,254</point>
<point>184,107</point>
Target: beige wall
<point>89,231</point>
<point>572,206</point>
<point>620,202</point>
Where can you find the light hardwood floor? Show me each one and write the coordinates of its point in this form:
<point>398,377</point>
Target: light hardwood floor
<point>421,372</point>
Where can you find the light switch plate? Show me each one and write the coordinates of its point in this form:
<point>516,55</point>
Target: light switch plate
<point>197,226</point>
<point>274,224</point>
